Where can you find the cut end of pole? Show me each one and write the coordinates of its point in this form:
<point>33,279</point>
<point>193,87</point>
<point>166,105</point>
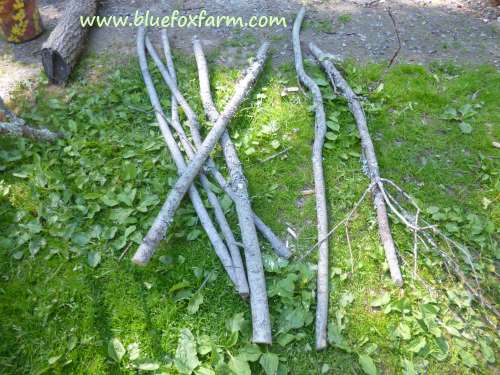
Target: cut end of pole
<point>321,345</point>
<point>398,281</point>
<point>56,69</point>
<point>140,258</point>
<point>264,339</point>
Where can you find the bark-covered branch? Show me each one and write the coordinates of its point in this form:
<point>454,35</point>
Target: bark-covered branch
<point>11,125</point>
<point>61,50</point>
<point>319,186</point>
<point>340,83</point>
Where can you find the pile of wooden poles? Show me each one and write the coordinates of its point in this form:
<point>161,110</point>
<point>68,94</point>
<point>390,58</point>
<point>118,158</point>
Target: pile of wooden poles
<point>191,154</point>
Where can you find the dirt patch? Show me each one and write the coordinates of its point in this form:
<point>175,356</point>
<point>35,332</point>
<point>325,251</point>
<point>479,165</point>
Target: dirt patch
<point>461,31</point>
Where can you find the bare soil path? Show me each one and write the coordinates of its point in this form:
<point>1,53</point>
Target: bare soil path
<point>461,31</point>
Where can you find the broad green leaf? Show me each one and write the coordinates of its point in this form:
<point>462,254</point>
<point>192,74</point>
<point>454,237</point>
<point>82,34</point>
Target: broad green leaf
<point>488,353</point>
<point>403,331</point>
<point>269,362</point>
<point>250,353</point>
<point>285,339</point>
<point>239,366</point>
<point>465,128</point>
<point>148,366</point>
<point>205,344</point>
<point>333,125</point>
<point>94,258</point>
<point>133,351</point>
<point>331,136</point>
<point>194,234</point>
<point>186,359</point>
<point>408,367</point>
<point>235,323</point>
<point>204,371</point>
<point>18,255</point>
<point>180,285</point>
<point>116,350</point>
<point>417,344</point>
<point>367,364</point>
<point>467,358</point>
<point>346,299</point>
<point>35,245</point>
<point>292,319</point>
<point>80,239</point>
<point>384,299</point>
<point>120,215</point>
<point>195,302</point>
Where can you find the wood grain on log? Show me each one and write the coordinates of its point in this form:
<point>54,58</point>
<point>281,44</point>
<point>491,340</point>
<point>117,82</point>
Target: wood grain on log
<point>61,50</point>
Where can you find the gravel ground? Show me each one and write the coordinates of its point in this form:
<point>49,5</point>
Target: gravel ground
<point>462,31</point>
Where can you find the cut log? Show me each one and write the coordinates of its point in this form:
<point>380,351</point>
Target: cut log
<point>319,186</point>
<point>11,125</point>
<point>61,50</point>
<point>206,221</point>
<point>337,81</point>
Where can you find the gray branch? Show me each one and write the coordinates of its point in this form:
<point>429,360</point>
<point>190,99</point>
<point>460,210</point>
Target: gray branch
<point>278,246</point>
<point>340,83</point>
<point>256,278</point>
<point>319,187</point>
<point>205,219</point>
<point>241,279</point>
<point>16,127</point>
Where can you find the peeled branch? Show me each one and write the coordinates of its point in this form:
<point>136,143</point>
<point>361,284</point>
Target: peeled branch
<point>319,187</point>
<point>238,182</point>
<point>234,251</point>
<point>165,217</point>
<point>278,246</point>
<point>200,209</point>
<point>337,81</point>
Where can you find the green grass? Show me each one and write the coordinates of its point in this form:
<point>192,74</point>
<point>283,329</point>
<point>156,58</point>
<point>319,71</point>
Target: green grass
<point>84,195</point>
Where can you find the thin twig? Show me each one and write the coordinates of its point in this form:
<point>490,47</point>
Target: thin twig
<point>349,247</point>
<point>346,219</point>
<point>124,252</point>
<point>275,155</point>
<point>415,245</point>
<point>396,30</point>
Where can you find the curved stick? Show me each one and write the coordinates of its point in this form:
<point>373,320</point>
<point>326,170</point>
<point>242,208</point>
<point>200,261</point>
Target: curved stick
<point>384,228</point>
<point>205,219</point>
<point>319,186</point>
<point>239,270</point>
